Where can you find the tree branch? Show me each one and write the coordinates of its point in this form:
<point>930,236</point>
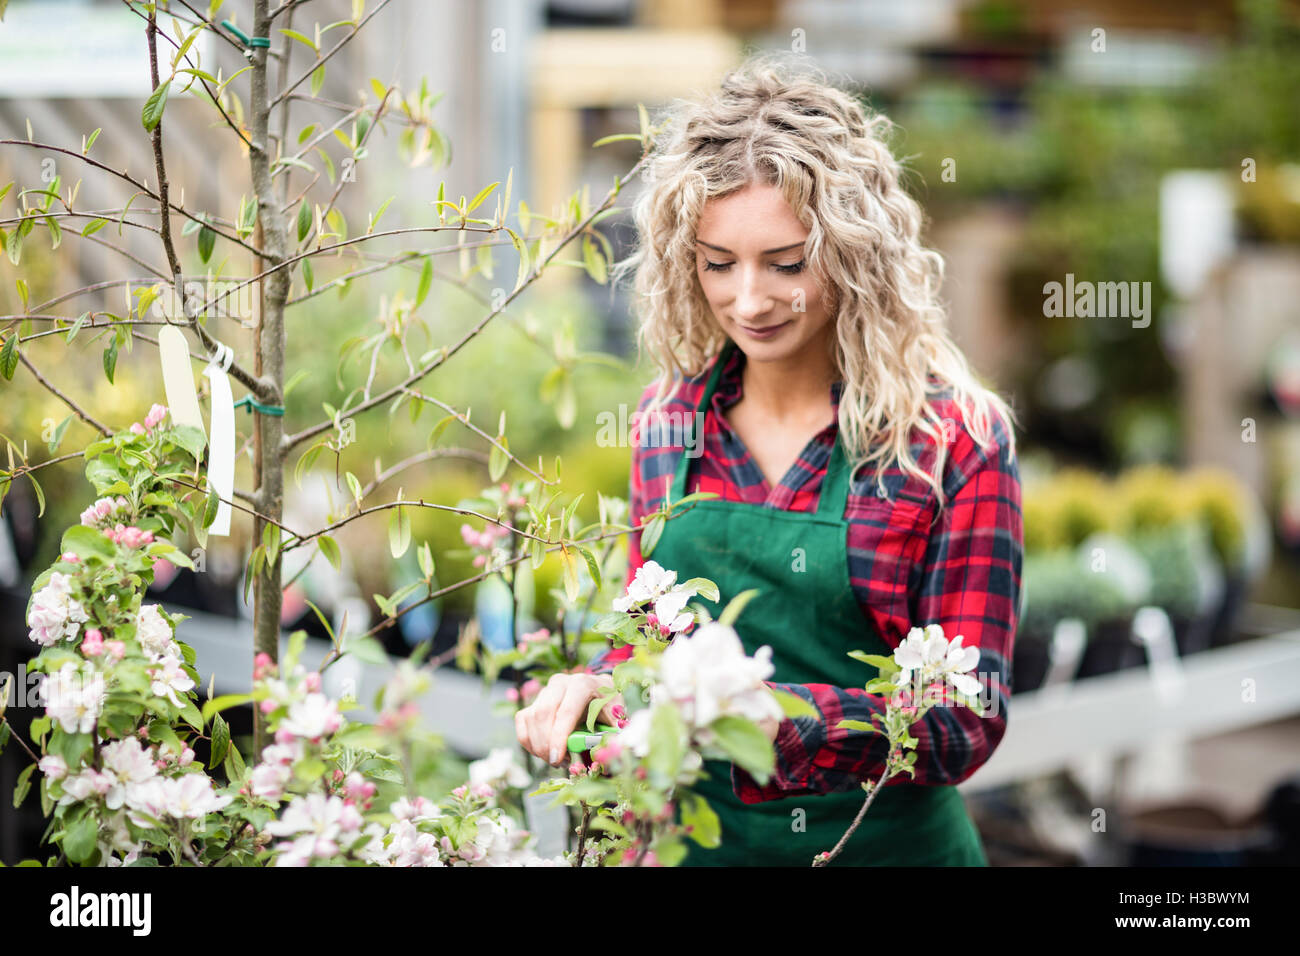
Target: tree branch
<point>81,412</point>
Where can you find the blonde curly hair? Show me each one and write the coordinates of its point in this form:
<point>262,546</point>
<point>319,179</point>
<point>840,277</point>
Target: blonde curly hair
<point>772,123</point>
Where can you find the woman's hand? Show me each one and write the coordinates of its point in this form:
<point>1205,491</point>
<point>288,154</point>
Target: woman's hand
<point>543,727</point>
<point>771,726</point>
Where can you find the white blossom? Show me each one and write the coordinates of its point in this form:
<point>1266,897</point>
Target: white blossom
<point>154,633</point>
<point>54,614</point>
<point>499,769</point>
<point>708,675</point>
<point>649,582</point>
<point>926,656</point>
<point>313,716</point>
<point>169,679</point>
<point>74,698</point>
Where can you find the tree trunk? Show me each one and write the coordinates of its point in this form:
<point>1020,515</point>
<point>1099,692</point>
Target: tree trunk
<point>267,594</point>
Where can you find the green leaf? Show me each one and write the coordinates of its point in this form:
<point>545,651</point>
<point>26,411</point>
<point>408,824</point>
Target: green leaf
<point>794,706</point>
<point>304,220</point>
<point>210,508</point>
<point>317,80</point>
<point>366,649</point>
<point>94,226</point>
<point>498,459</point>
<point>110,360</point>
<point>857,725</point>
<point>220,742</point>
<point>330,548</point>
<point>667,742</point>
<point>87,542</point>
<point>593,566</point>
<point>58,432</point>
<point>425,557</point>
<point>191,715</point>
<point>482,194</point>
<point>308,277</point>
<point>571,588</point>
<point>79,839</point>
<point>191,438</point>
<point>399,531</point>
<point>704,588</point>
<point>705,828</point>
<point>747,745</point>
<point>885,664</point>
<point>426,279</point>
<point>593,260</point>
<point>152,113</point>
<point>222,702</point>
<point>736,605</point>
<point>207,239</point>
<point>650,533</point>
<point>24,782</point>
<point>76,326</point>
<point>9,356</point>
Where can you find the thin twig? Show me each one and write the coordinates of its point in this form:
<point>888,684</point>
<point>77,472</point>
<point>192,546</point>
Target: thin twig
<point>81,412</point>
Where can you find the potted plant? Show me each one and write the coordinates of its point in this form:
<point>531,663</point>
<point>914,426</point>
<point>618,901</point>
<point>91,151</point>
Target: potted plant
<point>1186,581</point>
<point>1118,581</point>
<point>1239,536</point>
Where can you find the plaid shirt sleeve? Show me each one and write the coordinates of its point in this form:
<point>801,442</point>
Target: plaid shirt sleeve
<point>968,582</point>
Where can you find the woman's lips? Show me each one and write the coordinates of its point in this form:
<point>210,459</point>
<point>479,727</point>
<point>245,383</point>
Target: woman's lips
<point>766,332</point>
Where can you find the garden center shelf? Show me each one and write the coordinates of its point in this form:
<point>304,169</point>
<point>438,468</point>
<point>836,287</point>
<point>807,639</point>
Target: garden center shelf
<point>1253,681</point>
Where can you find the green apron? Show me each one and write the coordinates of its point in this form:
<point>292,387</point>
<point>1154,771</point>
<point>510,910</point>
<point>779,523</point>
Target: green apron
<point>808,614</point>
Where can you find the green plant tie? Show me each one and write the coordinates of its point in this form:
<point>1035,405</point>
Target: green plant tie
<point>244,38</point>
<point>253,403</point>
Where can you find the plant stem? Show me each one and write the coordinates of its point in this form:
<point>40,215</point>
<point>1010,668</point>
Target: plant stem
<point>822,861</point>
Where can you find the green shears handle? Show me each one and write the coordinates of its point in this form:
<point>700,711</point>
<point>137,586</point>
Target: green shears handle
<point>581,741</point>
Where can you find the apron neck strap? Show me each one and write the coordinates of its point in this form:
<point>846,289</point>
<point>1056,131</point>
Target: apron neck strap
<point>835,486</point>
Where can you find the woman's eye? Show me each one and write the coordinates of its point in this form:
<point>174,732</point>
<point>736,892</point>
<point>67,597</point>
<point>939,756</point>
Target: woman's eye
<point>793,269</point>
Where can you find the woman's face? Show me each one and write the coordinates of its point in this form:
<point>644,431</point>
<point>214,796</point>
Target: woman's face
<point>749,256</point>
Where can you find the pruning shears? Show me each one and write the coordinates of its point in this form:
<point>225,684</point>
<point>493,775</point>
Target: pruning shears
<point>581,741</point>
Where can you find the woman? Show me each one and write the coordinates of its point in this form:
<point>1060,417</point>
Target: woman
<point>785,290</point>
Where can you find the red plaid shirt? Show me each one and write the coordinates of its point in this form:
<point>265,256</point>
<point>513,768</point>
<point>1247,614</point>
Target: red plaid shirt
<point>964,574</point>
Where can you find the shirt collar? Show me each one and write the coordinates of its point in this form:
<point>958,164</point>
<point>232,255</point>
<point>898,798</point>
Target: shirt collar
<point>731,387</point>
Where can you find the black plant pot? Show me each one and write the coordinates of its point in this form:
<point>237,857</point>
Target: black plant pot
<point>1029,663</point>
<point>1110,648</point>
<point>1223,628</point>
<point>1192,634</point>
<point>1190,834</point>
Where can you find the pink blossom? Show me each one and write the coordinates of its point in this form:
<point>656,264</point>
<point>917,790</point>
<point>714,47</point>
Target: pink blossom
<point>116,650</point>
<point>92,644</point>
<point>482,790</point>
<point>155,416</point>
<point>137,428</point>
<point>187,757</point>
<point>133,537</point>
<point>268,706</point>
<point>531,688</point>
<point>263,666</point>
<point>512,695</point>
<point>480,561</point>
<point>608,753</point>
<point>539,636</point>
<point>459,792</point>
<point>312,681</point>
<point>70,557</point>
